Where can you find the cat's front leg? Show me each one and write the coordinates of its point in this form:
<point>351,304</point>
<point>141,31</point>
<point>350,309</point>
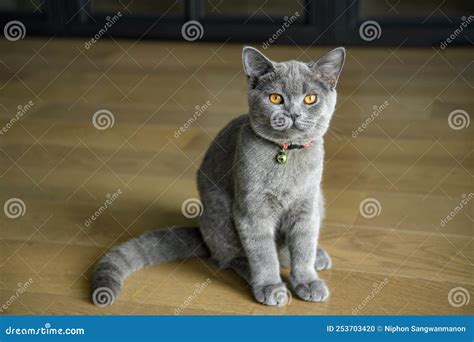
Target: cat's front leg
<point>302,242</point>
<point>257,234</point>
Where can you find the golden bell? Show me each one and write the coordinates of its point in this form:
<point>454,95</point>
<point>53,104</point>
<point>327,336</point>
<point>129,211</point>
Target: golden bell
<point>282,157</point>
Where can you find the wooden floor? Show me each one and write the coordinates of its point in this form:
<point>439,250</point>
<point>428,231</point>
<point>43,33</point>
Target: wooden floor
<point>408,161</point>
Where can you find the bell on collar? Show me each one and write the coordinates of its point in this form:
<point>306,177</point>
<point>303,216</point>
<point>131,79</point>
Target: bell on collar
<point>282,157</point>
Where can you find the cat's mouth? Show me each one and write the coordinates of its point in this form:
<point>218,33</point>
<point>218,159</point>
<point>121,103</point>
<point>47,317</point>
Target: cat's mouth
<point>280,121</point>
<point>282,130</point>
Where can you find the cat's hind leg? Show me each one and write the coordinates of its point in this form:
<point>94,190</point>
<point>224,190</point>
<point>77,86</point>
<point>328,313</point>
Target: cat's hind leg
<point>241,266</point>
<point>323,259</point>
<point>217,226</point>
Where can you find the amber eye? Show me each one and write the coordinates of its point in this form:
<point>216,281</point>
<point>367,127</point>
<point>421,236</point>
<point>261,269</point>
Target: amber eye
<point>276,98</point>
<point>310,99</point>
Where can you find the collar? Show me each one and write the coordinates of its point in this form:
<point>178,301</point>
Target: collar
<point>292,146</point>
<point>282,155</point>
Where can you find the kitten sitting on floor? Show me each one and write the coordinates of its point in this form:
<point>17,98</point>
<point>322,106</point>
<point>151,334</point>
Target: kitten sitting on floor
<point>260,185</point>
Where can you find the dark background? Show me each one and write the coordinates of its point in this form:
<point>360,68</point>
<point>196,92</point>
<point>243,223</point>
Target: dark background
<point>325,22</point>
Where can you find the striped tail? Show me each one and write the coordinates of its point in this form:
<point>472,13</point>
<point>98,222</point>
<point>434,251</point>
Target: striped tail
<point>150,248</point>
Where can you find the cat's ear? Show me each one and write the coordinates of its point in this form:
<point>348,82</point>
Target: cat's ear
<point>255,63</point>
<point>329,66</point>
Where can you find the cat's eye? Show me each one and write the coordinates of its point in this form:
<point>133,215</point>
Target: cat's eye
<point>310,99</point>
<point>276,98</point>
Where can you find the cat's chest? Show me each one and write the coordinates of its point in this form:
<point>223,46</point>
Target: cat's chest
<point>286,182</point>
<point>297,174</point>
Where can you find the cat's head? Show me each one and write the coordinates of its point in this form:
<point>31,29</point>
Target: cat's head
<point>291,101</point>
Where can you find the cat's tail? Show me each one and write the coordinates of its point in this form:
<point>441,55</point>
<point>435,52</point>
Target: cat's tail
<point>150,248</point>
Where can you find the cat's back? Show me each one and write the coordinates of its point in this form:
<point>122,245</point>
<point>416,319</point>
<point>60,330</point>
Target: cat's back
<point>219,158</point>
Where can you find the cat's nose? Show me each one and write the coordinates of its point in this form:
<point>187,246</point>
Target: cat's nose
<point>294,116</point>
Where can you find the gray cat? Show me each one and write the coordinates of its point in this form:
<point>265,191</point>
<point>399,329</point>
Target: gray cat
<point>260,185</point>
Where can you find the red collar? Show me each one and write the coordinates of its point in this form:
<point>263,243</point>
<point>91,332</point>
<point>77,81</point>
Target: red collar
<point>291,146</point>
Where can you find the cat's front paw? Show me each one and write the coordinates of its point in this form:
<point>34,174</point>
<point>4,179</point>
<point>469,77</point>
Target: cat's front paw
<point>274,295</point>
<point>315,291</point>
